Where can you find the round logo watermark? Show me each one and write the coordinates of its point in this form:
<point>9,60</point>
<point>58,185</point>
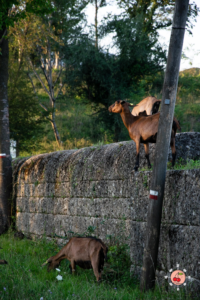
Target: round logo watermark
<point>178,277</point>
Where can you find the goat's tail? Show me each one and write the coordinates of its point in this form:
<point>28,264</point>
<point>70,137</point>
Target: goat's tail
<point>102,257</point>
<point>176,124</point>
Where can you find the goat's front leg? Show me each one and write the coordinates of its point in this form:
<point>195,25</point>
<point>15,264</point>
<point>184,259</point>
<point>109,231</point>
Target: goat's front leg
<point>137,155</point>
<point>95,264</point>
<point>73,266</point>
<point>146,149</point>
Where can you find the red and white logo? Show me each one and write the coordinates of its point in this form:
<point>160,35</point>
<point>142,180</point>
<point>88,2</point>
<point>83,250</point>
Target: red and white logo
<point>153,195</point>
<point>177,277</point>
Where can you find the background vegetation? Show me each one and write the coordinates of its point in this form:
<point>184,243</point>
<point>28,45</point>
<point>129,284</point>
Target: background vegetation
<point>61,82</point>
<point>80,125</point>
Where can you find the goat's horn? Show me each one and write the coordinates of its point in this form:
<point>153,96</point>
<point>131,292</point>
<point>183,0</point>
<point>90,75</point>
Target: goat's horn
<point>131,104</point>
<point>46,262</point>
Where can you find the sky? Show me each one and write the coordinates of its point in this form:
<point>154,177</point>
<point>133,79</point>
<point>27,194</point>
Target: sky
<point>191,45</point>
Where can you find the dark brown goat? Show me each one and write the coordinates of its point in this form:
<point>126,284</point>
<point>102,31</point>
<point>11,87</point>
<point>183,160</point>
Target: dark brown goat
<point>149,104</point>
<point>142,129</point>
<point>85,252</point>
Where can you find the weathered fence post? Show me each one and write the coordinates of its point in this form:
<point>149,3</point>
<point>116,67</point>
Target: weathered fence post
<point>162,146</point>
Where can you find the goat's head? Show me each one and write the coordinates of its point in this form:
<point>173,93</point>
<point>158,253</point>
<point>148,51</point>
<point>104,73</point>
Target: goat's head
<point>118,106</point>
<point>52,264</point>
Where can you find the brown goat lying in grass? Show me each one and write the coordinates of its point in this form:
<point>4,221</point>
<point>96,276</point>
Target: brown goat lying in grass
<point>149,104</point>
<point>142,129</point>
<point>85,252</point>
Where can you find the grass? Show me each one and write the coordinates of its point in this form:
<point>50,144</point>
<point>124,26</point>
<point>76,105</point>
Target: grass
<point>179,165</point>
<point>24,278</point>
<point>190,164</point>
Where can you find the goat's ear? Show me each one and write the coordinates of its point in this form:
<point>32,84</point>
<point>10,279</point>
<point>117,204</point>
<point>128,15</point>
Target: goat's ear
<point>122,101</point>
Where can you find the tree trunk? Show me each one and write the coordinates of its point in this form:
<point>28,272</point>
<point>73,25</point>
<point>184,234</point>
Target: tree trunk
<point>47,71</point>
<point>56,66</point>
<point>96,24</point>
<point>5,158</point>
<point>56,134</point>
<point>162,146</point>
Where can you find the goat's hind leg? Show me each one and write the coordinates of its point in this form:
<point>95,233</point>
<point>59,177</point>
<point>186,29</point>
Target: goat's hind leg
<point>146,149</point>
<point>137,156</point>
<point>173,148</point>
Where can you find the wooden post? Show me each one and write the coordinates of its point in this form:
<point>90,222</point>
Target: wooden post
<point>162,146</point>
<point>5,158</point>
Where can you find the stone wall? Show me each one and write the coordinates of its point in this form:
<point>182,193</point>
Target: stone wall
<point>72,190</point>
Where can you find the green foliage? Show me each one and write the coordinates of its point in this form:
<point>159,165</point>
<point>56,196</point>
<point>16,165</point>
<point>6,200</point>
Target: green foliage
<point>187,107</point>
<point>80,125</point>
<point>157,14</point>
<point>179,165</point>
<point>38,39</point>
<point>139,52</point>
<point>93,78</point>
<point>119,263</point>
<point>188,165</point>
<point>67,16</point>
<point>189,116</point>
<point>14,10</point>
<point>102,78</point>
<point>26,120</point>
<point>188,87</point>
<point>67,22</point>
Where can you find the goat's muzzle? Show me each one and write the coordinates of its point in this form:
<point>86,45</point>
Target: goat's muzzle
<point>46,262</point>
<point>111,107</point>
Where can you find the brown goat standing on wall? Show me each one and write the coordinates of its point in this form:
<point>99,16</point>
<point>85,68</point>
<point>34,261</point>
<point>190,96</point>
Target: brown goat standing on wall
<point>149,104</point>
<point>85,252</point>
<point>142,129</point>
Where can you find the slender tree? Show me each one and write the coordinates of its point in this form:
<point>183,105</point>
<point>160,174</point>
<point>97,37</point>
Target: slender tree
<point>25,115</point>
<point>41,39</point>
<point>48,84</point>
<point>97,5</point>
<point>9,14</point>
